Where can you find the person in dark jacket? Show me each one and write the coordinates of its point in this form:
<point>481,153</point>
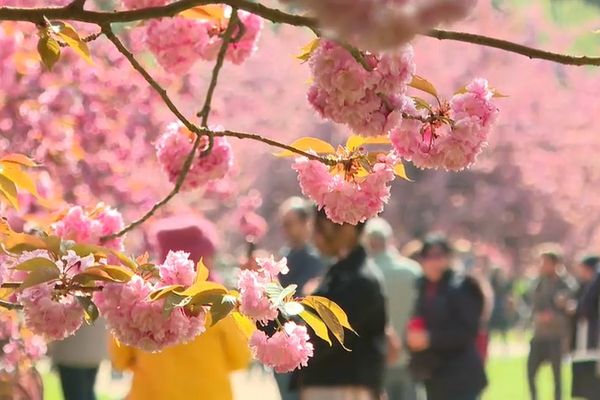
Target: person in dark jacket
<point>353,282</point>
<point>584,345</point>
<point>443,332</point>
<point>303,260</point>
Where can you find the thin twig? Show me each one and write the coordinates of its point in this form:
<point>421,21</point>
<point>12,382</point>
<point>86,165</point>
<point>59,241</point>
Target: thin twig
<point>10,306</point>
<point>512,47</point>
<point>205,112</point>
<point>86,39</point>
<point>107,30</point>
<point>274,143</point>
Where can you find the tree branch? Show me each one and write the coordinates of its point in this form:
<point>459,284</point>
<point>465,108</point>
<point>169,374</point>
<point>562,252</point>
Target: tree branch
<point>274,143</point>
<point>10,306</point>
<point>512,47</point>
<point>36,15</point>
<point>233,22</point>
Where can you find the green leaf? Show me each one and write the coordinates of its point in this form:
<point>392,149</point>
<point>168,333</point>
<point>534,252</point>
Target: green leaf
<point>273,289</point>
<point>53,244</point>
<point>292,308</point>
<point>173,301</point>
<point>9,191</point>
<point>220,310</point>
<point>420,83</point>
<point>308,143</point>
<point>163,292</point>
<point>244,323</point>
<point>317,325</point>
<point>49,51</point>
<point>68,33</point>
<point>90,310</point>
<point>36,263</point>
<point>308,49</point>
<point>106,273</point>
<point>421,103</point>
<point>40,275</point>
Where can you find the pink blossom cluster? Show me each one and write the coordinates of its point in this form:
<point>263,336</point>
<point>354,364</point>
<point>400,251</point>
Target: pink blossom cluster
<point>345,92</point>
<point>175,144</point>
<point>137,321</point>
<point>85,227</point>
<point>286,350</point>
<point>452,147</point>
<point>347,200</point>
<point>252,284</point>
<point>252,225</point>
<point>19,347</point>
<point>178,42</point>
<point>51,314</point>
<point>383,24</point>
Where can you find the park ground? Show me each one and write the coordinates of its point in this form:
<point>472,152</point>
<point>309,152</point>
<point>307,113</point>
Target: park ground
<point>506,371</point>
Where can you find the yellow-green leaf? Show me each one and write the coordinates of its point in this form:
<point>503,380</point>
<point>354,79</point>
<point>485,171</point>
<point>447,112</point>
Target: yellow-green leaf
<point>40,275</point>
<point>209,12</point>
<point>163,292</point>
<point>244,323</point>
<point>68,33</point>
<point>220,310</point>
<point>203,286</point>
<point>36,263</point>
<point>108,273</point>
<point>20,178</point>
<point>317,325</point>
<point>335,308</point>
<point>307,50</point>
<point>90,310</point>
<point>18,159</point>
<point>308,143</point>
<point>328,317</point>
<point>400,171</point>
<point>355,141</point>
<point>420,83</point>
<point>49,51</point>
<point>9,191</point>
<point>201,272</point>
<point>209,296</point>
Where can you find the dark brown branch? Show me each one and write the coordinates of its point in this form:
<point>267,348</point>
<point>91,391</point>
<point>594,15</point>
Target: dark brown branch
<point>274,143</point>
<point>205,112</point>
<point>512,47</point>
<point>10,306</point>
<point>36,15</point>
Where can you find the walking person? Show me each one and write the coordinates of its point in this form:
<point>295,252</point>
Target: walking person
<point>354,283</point>
<point>399,278</point>
<point>585,343</point>
<point>78,359</point>
<point>551,324</point>
<point>442,335</point>
<point>303,260</point>
<point>199,369</point>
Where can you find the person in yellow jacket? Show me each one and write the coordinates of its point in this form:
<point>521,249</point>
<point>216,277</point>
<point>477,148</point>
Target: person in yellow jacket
<point>199,369</point>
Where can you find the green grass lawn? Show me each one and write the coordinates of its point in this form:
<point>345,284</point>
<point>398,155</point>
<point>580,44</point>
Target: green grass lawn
<point>508,380</point>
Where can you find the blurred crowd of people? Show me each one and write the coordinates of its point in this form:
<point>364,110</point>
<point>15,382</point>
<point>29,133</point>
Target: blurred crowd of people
<point>423,316</point>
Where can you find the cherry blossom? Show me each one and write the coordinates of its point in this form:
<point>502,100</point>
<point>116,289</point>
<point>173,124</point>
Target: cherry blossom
<point>285,351</point>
